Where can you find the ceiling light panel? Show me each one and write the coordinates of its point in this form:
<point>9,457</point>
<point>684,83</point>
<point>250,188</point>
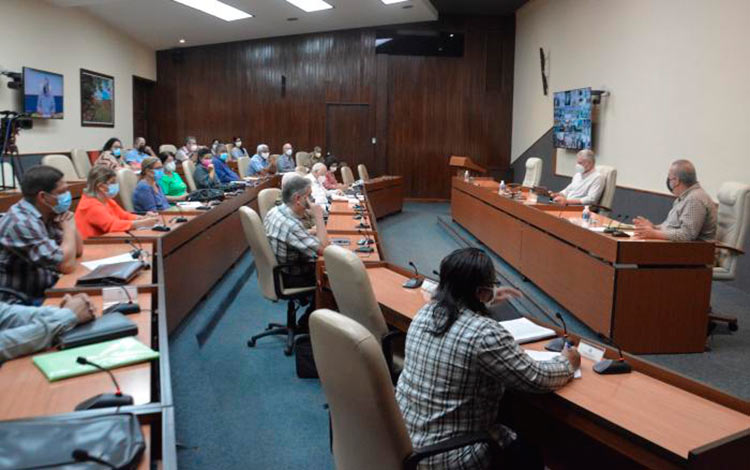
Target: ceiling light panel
<point>391,2</point>
<point>217,9</point>
<point>310,6</point>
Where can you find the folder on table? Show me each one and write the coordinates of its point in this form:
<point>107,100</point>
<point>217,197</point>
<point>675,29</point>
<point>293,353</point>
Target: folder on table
<point>526,331</point>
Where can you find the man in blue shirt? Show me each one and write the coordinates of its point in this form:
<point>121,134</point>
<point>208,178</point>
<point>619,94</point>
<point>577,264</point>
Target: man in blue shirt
<point>223,173</point>
<point>286,162</point>
<point>259,162</point>
<point>140,150</point>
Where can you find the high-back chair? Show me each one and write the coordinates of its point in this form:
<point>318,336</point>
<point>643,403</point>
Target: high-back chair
<point>609,174</point>
<point>303,159</point>
<point>62,163</point>
<point>127,181</point>
<point>167,148</point>
<point>81,162</point>
<point>270,281</point>
<point>267,200</point>
<point>533,174</point>
<point>301,170</point>
<point>368,430</point>
<point>9,177</point>
<point>188,168</point>
<point>242,166</point>
<point>364,175</point>
<point>731,233</point>
<point>347,177</point>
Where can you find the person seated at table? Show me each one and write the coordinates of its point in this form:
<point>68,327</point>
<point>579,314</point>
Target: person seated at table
<point>308,220</point>
<point>38,235</point>
<point>188,150</point>
<point>259,164</point>
<point>26,329</point>
<point>330,182</point>
<point>587,185</point>
<point>693,213</point>
<point>215,146</point>
<point>459,361</point>
<point>317,177</point>
<point>172,185</point>
<point>147,195</point>
<point>238,150</point>
<point>290,241</point>
<point>111,155</point>
<point>224,174</point>
<point>316,156</point>
<point>98,213</point>
<point>138,153</point>
<point>286,162</point>
<point>205,173</point>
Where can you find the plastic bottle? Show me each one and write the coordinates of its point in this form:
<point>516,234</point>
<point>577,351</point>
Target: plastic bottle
<point>466,176</point>
<point>503,187</point>
<point>586,215</point>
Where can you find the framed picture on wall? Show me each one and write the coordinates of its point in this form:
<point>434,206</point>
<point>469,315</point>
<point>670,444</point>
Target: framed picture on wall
<point>97,99</point>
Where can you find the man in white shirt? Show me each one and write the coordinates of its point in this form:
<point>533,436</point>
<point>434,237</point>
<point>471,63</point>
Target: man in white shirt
<point>587,185</point>
<point>317,177</point>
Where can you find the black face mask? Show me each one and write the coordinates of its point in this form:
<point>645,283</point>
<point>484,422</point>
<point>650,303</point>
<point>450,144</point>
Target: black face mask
<point>669,187</point>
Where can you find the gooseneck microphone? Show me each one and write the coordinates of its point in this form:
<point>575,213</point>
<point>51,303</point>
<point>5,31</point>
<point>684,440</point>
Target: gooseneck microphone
<point>124,308</point>
<point>81,455</point>
<point>558,344</point>
<point>415,281</point>
<point>103,400</point>
<point>612,366</point>
<point>609,228</point>
<point>364,243</point>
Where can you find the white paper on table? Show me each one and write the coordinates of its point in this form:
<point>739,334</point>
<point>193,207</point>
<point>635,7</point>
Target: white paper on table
<point>548,355</point>
<point>189,204</point>
<point>597,229</point>
<point>91,265</point>
<point>339,197</point>
<point>526,331</point>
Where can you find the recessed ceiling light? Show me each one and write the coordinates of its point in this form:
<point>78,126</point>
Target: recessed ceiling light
<point>391,2</point>
<point>182,41</point>
<point>217,9</point>
<point>452,35</point>
<point>311,5</point>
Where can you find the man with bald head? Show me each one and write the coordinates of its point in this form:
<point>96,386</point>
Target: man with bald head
<point>286,160</point>
<point>693,214</point>
<point>587,185</point>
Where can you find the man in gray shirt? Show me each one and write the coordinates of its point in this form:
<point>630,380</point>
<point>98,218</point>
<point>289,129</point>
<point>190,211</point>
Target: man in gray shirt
<point>693,214</point>
<point>25,330</point>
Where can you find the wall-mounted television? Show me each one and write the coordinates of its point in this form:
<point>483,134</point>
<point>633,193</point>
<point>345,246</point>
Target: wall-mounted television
<point>573,119</point>
<point>42,94</point>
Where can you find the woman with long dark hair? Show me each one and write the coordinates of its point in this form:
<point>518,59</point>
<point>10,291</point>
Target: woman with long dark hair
<point>459,361</point>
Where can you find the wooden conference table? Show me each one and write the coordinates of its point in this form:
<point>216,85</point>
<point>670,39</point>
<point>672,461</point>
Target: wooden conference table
<point>385,195</point>
<point>649,296</point>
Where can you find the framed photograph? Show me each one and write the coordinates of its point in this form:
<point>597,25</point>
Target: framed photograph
<point>97,99</point>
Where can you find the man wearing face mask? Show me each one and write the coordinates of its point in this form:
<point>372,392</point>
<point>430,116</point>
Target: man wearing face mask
<point>259,164</point>
<point>316,156</point>
<point>140,150</point>
<point>224,174</point>
<point>693,213</point>
<point>317,177</point>
<point>38,235</point>
<point>587,185</point>
<point>286,161</point>
<point>187,150</point>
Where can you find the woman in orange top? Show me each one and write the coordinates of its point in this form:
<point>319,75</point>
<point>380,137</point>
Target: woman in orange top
<point>98,213</point>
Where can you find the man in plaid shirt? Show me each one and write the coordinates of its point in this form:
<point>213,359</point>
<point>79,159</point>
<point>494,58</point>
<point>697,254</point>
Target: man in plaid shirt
<point>459,362</point>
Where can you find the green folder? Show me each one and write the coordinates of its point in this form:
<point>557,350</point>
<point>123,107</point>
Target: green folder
<point>108,354</point>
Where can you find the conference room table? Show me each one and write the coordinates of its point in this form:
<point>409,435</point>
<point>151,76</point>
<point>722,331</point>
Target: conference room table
<point>649,296</point>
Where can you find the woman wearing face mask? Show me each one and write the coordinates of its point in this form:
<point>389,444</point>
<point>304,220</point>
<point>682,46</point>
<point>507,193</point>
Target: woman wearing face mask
<point>330,182</point>
<point>215,146</point>
<point>111,155</point>
<point>98,213</point>
<point>187,151</point>
<point>316,156</point>
<point>224,174</point>
<point>172,185</point>
<point>238,150</point>
<point>148,196</point>
<point>458,363</point>
<point>205,174</point>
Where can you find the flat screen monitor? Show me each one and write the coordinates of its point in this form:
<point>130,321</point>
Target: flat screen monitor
<point>573,119</point>
<point>42,93</point>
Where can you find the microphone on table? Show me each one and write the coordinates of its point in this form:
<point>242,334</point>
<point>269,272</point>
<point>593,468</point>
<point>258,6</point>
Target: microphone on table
<point>137,251</point>
<point>365,243</point>
<point>181,218</point>
<point>617,232</point>
<point>103,400</point>
<point>609,228</point>
<point>414,282</point>
<point>81,455</point>
<point>612,366</point>
<point>124,308</point>
<point>558,344</point>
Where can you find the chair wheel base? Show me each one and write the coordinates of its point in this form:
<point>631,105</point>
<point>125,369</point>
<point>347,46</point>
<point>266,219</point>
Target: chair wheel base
<point>251,343</point>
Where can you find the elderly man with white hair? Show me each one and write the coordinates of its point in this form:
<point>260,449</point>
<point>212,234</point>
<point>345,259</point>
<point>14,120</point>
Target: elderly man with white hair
<point>259,164</point>
<point>587,185</point>
<point>317,177</point>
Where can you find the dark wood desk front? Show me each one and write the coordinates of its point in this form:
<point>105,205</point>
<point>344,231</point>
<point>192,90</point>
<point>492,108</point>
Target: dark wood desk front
<point>385,194</point>
<point>650,296</point>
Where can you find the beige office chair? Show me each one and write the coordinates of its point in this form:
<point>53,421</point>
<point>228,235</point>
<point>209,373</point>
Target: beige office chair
<point>533,174</point>
<point>62,163</point>
<point>167,148</point>
<point>269,279</point>
<point>188,168</point>
<point>368,430</point>
<point>301,170</point>
<point>267,199</point>
<point>610,185</point>
<point>127,180</point>
<point>9,177</point>
<point>242,165</point>
<point>355,298</point>
<point>230,147</point>
<point>303,159</point>
<point>731,233</point>
<point>364,175</point>
<point>347,177</point>
<point>82,162</point>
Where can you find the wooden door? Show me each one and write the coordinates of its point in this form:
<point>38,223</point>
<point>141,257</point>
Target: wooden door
<point>144,123</point>
<point>349,135</point>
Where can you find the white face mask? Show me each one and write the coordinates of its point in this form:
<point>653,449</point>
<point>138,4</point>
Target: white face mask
<point>238,144</point>
<point>491,302</point>
<point>321,179</point>
<point>192,147</point>
<point>264,155</point>
<point>289,152</point>
<point>170,166</point>
<point>579,168</point>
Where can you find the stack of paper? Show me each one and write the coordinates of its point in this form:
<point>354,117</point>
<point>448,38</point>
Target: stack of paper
<point>91,265</point>
<point>526,331</point>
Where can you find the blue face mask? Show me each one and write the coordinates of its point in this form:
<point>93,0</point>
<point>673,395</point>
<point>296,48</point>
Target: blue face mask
<point>113,189</point>
<point>116,152</point>
<point>223,157</point>
<point>63,203</point>
<point>158,174</point>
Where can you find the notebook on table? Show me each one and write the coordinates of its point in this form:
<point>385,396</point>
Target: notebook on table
<point>526,331</point>
<point>110,326</point>
<point>108,274</point>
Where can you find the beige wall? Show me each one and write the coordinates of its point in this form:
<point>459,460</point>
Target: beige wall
<point>64,40</point>
<point>678,72</point>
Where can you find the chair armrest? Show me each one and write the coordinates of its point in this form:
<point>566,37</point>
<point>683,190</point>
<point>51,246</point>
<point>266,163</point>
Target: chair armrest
<point>729,248</point>
<point>20,296</point>
<point>281,268</point>
<point>451,444</point>
<point>386,343</point>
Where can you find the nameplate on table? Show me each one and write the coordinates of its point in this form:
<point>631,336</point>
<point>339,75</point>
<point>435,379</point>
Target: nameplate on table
<point>590,352</point>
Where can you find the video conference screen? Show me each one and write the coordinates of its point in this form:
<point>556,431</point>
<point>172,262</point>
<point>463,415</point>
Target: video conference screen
<point>572,129</point>
<point>42,93</point>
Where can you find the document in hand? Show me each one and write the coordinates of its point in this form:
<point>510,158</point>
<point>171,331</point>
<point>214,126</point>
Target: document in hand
<point>526,331</point>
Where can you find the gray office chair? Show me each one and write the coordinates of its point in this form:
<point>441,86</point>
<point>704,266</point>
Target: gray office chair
<point>368,430</point>
<point>364,175</point>
<point>533,175</point>
<point>242,165</point>
<point>267,199</point>
<point>609,174</point>
<point>347,177</point>
<point>127,180</point>
<point>167,148</point>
